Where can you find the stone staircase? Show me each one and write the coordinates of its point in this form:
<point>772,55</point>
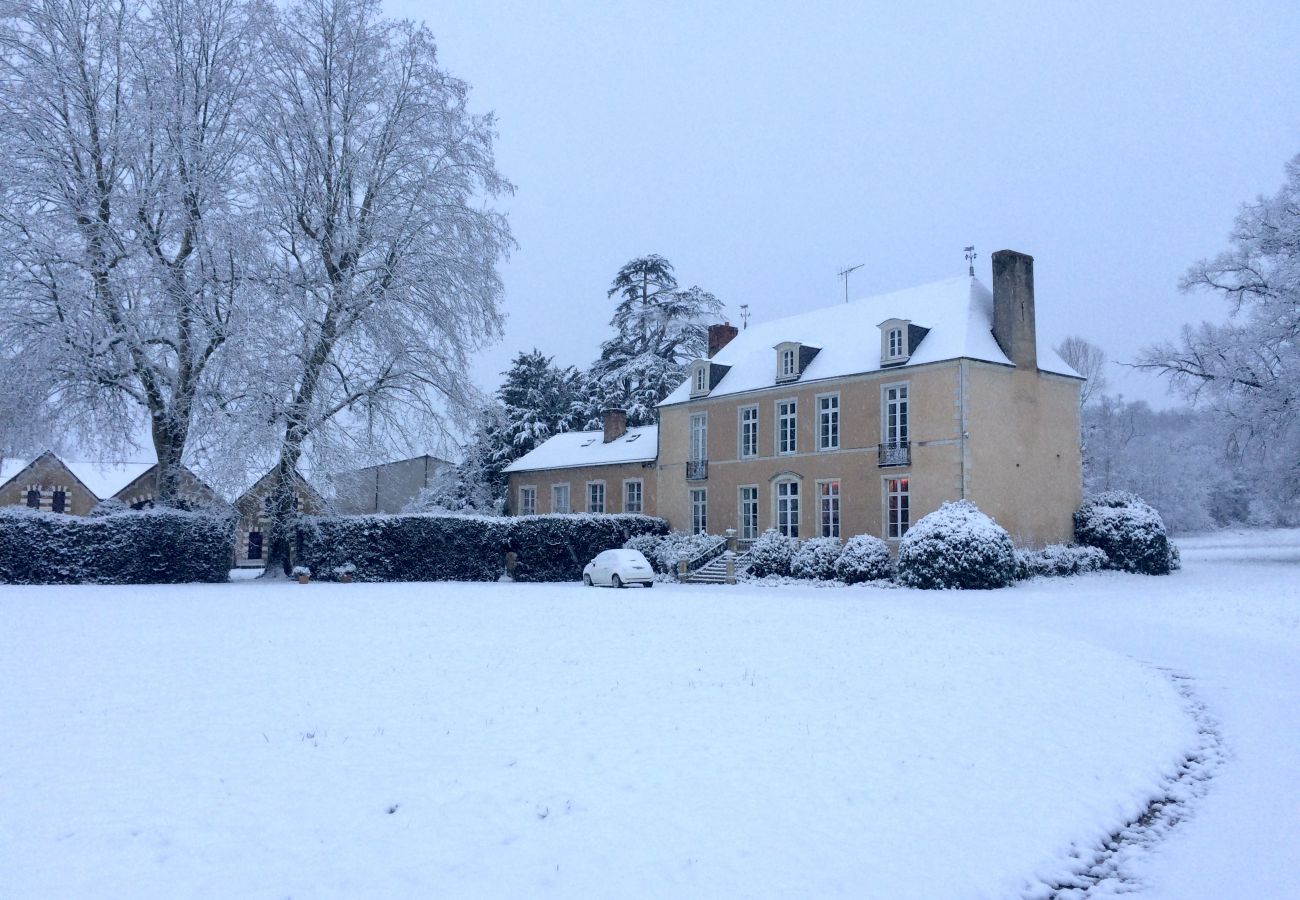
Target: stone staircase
<point>715,570</point>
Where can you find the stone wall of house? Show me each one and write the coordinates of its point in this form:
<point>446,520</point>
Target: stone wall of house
<point>48,478</point>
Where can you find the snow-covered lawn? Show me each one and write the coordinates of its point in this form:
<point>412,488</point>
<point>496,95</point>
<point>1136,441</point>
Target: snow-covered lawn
<point>272,740</point>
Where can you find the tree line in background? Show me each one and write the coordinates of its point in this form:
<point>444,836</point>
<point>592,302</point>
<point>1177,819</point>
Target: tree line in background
<point>266,228</point>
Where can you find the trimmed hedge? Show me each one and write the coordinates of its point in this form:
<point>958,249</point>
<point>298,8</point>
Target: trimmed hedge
<point>1131,533</point>
<point>1059,561</point>
<point>448,547</point>
<point>154,546</point>
<point>864,558</point>
<point>956,546</point>
<point>816,558</point>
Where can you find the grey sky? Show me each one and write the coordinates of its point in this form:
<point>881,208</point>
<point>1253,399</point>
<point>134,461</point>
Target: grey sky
<point>761,147</point>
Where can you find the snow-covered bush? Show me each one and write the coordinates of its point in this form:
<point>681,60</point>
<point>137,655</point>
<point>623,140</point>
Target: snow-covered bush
<point>772,554</point>
<point>864,558</point>
<point>664,551</point>
<point>1129,530</point>
<point>156,546</point>
<point>557,547</point>
<point>1059,560</point>
<point>110,507</point>
<point>816,558</point>
<point>956,546</point>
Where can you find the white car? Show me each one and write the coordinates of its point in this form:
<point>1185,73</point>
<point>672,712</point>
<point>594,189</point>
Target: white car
<point>619,568</point>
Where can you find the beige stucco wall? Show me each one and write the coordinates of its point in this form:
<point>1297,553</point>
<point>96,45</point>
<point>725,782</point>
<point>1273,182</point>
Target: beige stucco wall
<point>47,474</point>
<point>577,479</point>
<point>1024,464</point>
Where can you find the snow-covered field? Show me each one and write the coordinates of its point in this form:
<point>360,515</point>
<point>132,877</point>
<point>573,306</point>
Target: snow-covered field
<point>273,740</point>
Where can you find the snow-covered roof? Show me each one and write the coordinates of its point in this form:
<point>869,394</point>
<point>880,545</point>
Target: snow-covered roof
<point>588,448</point>
<point>103,479</point>
<point>957,311</point>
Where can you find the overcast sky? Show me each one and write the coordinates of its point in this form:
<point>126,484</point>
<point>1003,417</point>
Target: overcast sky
<point>762,147</point>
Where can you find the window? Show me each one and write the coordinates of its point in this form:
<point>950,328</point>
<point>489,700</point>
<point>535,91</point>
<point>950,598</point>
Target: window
<point>898,509</point>
<point>828,508</point>
<point>786,422</point>
<point>254,545</point>
<point>34,499</point>
<point>699,511</point>
<point>895,342</point>
<point>699,437</point>
<point>528,501</point>
<point>828,422</point>
<point>749,512</point>
<point>787,508</point>
<point>59,501</point>
<point>596,496</point>
<point>895,415</point>
<point>559,498</point>
<point>787,368</point>
<point>748,432</point>
<point>633,492</point>
<point>701,379</point>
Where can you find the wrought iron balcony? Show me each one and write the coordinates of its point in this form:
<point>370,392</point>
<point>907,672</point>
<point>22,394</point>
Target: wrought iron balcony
<point>697,469</point>
<point>894,453</point>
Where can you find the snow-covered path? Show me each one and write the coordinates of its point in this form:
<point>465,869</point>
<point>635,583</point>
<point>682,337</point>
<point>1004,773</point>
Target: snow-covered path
<point>1230,621</point>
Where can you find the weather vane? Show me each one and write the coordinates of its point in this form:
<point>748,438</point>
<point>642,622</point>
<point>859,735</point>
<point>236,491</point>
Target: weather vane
<point>970,259</point>
<point>744,315</point>
<point>844,273</point>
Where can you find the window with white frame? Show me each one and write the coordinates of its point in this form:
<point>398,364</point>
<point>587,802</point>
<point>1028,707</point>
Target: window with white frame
<point>596,496</point>
<point>828,422</point>
<point>699,437</point>
<point>894,417</point>
<point>895,342</point>
<point>701,379</point>
<point>748,432</point>
<point>559,498</point>
<point>528,500</point>
<point>787,508</point>
<point>786,426</point>
<point>633,496</point>
<point>898,507</point>
<point>699,511</point>
<point>828,507</point>
<point>789,368</point>
<point>749,512</point>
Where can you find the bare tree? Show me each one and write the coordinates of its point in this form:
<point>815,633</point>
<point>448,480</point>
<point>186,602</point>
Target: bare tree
<point>1088,360</point>
<point>374,175</point>
<point>122,126</point>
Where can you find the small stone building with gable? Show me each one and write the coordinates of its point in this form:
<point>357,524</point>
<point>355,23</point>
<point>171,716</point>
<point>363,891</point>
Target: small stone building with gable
<point>854,419</point>
<point>76,487</point>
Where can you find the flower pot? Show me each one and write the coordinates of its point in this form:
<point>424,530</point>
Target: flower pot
<point>303,579</point>
<point>346,579</point>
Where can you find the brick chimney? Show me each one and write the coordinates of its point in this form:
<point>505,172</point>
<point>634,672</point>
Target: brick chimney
<point>720,336</point>
<point>1013,308</point>
<point>615,424</point>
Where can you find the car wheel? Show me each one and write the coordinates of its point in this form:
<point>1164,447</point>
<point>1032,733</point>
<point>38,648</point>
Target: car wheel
<point>649,584</point>
<point>586,579</point>
<point>616,581</point>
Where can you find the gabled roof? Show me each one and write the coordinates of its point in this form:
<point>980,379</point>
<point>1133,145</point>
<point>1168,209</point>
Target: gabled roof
<point>588,448</point>
<point>957,311</point>
<point>102,479</point>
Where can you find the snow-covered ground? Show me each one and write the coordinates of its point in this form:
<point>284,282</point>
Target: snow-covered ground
<point>271,740</point>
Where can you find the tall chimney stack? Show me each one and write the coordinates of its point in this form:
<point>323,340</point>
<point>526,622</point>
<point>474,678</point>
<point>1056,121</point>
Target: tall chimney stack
<point>720,336</point>
<point>615,424</point>
<point>1013,308</point>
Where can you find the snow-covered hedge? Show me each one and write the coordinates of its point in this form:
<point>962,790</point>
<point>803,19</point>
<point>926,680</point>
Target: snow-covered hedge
<point>772,554</point>
<point>664,551</point>
<point>155,546</point>
<point>450,547</point>
<point>816,558</point>
<point>1059,560</point>
<point>557,547</point>
<point>864,558</point>
<point>404,548</point>
<point>1130,532</point>
<point>956,546</point>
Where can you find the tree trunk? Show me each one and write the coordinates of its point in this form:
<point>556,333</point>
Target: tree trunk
<point>169,439</point>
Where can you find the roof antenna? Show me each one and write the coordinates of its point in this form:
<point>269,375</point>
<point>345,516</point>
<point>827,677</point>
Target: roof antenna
<point>845,273</point>
<point>744,315</point>
<point>970,259</point>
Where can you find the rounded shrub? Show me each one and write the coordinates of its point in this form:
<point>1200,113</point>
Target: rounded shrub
<point>772,553</point>
<point>816,558</point>
<point>1130,532</point>
<point>956,546</point>
<point>864,558</point>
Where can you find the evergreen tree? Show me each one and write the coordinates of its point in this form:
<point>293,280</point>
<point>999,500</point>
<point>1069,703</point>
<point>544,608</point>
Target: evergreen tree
<point>539,400</point>
<point>658,329</point>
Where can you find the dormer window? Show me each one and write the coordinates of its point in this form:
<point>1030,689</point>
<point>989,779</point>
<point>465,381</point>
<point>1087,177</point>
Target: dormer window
<point>705,376</point>
<point>792,359</point>
<point>701,379</point>
<point>896,343</point>
<point>789,368</point>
